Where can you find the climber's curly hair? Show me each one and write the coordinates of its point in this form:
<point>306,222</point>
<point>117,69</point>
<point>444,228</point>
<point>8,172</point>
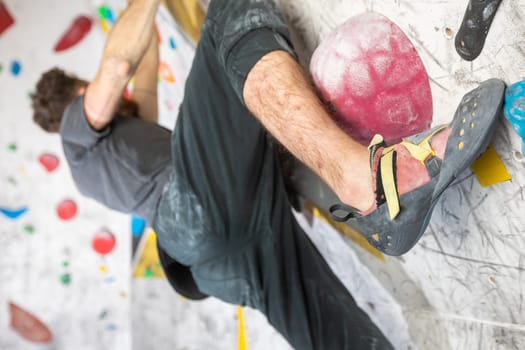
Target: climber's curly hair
<point>54,91</point>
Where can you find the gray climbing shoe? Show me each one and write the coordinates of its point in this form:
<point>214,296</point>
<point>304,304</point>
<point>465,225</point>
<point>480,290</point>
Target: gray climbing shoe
<point>400,221</point>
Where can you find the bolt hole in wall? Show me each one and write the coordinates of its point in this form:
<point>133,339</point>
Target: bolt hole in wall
<point>518,156</point>
<point>448,32</point>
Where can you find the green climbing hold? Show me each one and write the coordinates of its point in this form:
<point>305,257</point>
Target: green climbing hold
<point>65,263</point>
<point>30,229</point>
<point>65,279</point>
<point>103,314</point>
<point>148,273</point>
<point>12,147</point>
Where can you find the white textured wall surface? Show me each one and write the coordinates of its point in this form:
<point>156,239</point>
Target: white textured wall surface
<point>461,287</point>
<point>92,311</point>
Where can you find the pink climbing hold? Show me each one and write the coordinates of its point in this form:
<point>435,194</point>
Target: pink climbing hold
<point>67,210</point>
<point>168,105</point>
<point>128,94</point>
<point>74,34</point>
<point>49,162</point>
<point>373,79</point>
<point>103,242</point>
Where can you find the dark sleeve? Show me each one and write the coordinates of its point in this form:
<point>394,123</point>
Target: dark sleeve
<point>243,32</point>
<point>75,129</point>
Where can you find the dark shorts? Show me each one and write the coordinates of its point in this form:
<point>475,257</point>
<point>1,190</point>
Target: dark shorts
<point>225,212</point>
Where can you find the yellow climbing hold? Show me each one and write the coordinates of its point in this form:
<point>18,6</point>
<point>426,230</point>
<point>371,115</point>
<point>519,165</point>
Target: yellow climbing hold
<point>489,169</point>
<point>104,26</point>
<point>345,230</point>
<point>148,265</point>
<point>241,340</point>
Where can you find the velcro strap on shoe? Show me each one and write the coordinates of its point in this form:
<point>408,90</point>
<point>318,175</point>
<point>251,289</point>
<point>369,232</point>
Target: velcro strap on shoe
<point>423,150</point>
<point>433,165</point>
<point>389,182</point>
<point>429,137</point>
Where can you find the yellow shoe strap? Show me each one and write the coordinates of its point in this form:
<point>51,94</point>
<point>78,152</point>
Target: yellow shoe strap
<point>389,183</point>
<point>376,140</point>
<point>420,152</point>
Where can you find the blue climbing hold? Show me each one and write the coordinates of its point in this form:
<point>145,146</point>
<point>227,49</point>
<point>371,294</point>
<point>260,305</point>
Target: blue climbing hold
<point>13,213</point>
<point>137,225</point>
<point>16,68</point>
<point>173,44</point>
<point>515,109</point>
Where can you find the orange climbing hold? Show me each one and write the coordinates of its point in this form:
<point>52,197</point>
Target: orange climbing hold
<point>165,73</point>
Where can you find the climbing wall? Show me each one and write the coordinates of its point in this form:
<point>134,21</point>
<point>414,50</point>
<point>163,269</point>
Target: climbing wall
<point>75,275</point>
<point>64,260</point>
<point>462,286</point>
<point>69,279</point>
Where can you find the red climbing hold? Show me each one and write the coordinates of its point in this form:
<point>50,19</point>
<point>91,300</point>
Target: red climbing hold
<point>67,209</point>
<point>49,162</point>
<point>75,33</point>
<point>6,20</point>
<point>103,242</point>
<point>28,326</point>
